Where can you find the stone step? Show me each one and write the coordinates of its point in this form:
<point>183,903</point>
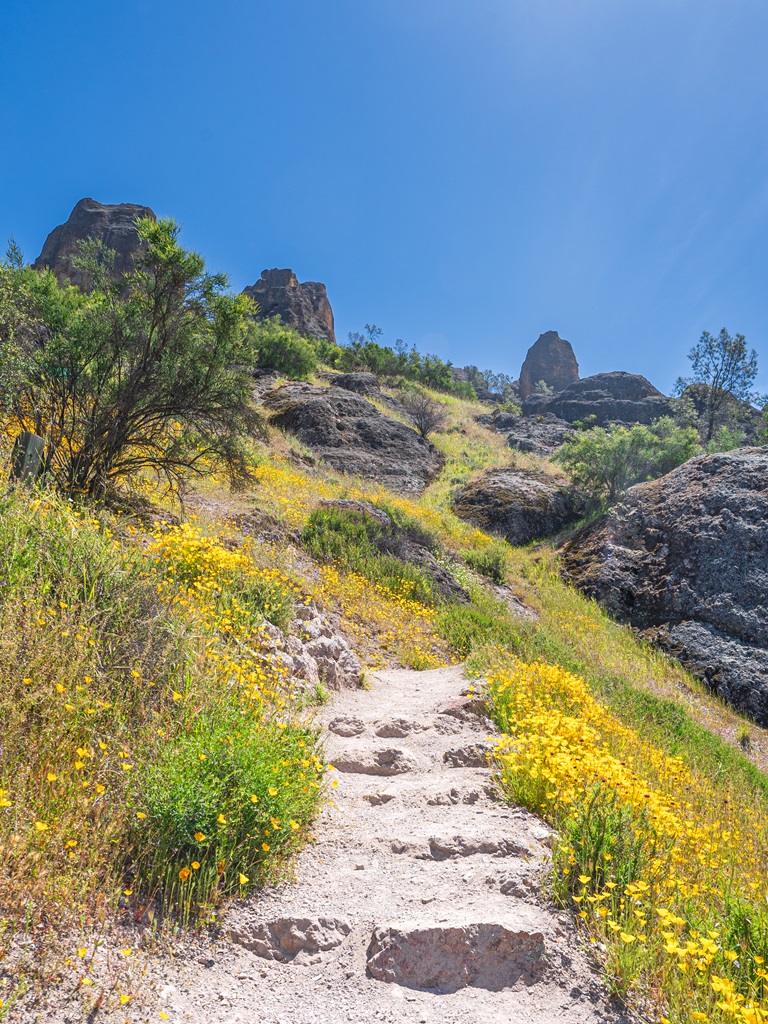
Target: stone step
<point>446,956</point>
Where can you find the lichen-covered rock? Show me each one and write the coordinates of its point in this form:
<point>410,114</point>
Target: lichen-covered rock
<point>361,382</point>
<point>685,558</point>
<point>609,397</point>
<point>549,359</point>
<point>302,306</point>
<point>115,226</point>
<point>519,505</point>
<point>352,436</point>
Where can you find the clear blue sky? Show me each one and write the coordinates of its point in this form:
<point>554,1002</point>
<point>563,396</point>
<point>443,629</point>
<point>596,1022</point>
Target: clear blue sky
<point>464,174</point>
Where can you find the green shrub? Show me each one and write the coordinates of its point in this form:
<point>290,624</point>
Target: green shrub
<point>234,779</point>
<point>491,561</point>
<point>283,349</point>
<point>470,626</point>
<point>604,462</point>
<point>361,544</point>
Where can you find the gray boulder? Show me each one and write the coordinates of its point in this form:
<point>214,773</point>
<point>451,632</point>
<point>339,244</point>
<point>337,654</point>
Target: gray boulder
<point>550,359</point>
<point>685,559</point>
<point>302,306</point>
<point>115,226</point>
<point>610,397</point>
<point>352,436</point>
<point>536,435</point>
<point>519,505</point>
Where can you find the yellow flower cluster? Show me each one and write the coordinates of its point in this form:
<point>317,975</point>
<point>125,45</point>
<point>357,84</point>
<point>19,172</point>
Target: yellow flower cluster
<point>383,623</point>
<point>663,870</point>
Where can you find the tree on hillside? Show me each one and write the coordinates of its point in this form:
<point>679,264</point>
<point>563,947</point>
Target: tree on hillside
<point>426,413</point>
<point>604,462</point>
<point>136,375</point>
<point>727,370</point>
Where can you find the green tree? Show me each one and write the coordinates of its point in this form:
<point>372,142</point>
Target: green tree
<point>727,369</point>
<point>136,375</point>
<point>604,462</point>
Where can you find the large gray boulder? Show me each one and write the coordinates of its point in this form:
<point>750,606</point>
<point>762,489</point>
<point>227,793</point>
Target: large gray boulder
<point>550,359</point>
<point>520,505</point>
<point>115,226</point>
<point>610,397</point>
<point>302,306</point>
<point>685,558</point>
<point>352,436</point>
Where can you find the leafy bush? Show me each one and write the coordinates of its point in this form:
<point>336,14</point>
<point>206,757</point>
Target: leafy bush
<point>280,348</point>
<point>137,374</point>
<point>483,623</point>
<point>220,802</point>
<point>361,544</point>
<point>604,462</point>
<point>492,561</point>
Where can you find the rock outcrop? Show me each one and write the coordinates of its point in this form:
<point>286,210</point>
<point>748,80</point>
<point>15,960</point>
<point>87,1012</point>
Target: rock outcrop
<point>536,435</point>
<point>352,436</point>
<point>360,381</point>
<point>685,558</point>
<point>610,397</point>
<point>115,226</point>
<point>303,307</point>
<point>550,359</point>
<point>519,505</point>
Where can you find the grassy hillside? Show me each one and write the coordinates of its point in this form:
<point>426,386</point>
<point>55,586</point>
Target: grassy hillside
<point>154,761</point>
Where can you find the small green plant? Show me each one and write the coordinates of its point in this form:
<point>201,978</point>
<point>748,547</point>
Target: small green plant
<point>491,561</point>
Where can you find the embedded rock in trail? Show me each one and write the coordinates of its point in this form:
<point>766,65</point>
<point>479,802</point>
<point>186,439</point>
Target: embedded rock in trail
<point>115,226</point>
<point>536,435</point>
<point>685,558</point>
<point>550,359</point>
<point>303,307</point>
<point>519,505</point>
<point>616,396</point>
<point>444,958</point>
<point>285,938</point>
<point>352,436</point>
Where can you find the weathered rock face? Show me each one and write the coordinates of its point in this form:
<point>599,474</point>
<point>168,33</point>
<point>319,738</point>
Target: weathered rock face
<point>115,226</point>
<point>361,382</point>
<point>520,505</point>
<point>304,307</point>
<point>550,359</point>
<point>352,436</point>
<point>685,558</point>
<point>626,397</point>
<point>537,435</point>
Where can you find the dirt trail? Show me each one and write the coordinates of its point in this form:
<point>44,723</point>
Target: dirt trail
<point>420,901</point>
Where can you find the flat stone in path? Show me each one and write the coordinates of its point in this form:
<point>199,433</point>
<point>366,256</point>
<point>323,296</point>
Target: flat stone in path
<point>446,957</point>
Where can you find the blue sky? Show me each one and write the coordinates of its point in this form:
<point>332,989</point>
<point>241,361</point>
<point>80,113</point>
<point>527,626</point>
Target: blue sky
<point>465,175</point>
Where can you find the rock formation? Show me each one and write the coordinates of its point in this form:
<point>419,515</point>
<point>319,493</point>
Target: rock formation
<point>550,359</point>
<point>352,436</point>
<point>303,307</point>
<point>617,396</point>
<point>520,505</point>
<point>115,226</point>
<point>536,435</point>
<point>685,558</point>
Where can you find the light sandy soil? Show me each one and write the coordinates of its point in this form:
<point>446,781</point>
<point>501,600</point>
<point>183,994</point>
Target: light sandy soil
<point>419,876</point>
